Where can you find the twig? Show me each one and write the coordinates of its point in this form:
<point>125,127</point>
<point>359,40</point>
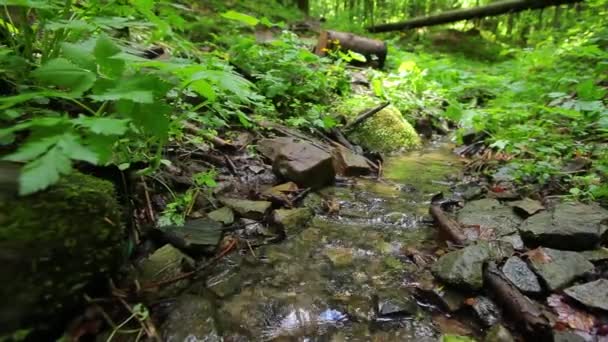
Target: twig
<point>146,324</point>
<point>251,249</point>
<point>365,115</point>
<point>148,201</point>
<point>231,165</point>
<point>301,195</point>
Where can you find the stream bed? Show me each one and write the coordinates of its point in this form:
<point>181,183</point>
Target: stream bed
<point>348,276</point>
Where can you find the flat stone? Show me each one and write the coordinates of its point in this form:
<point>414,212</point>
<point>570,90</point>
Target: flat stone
<point>190,319</point>
<point>514,239</point>
<point>498,333</point>
<point>292,220</point>
<point>223,215</point>
<point>559,268</point>
<point>396,306</point>
<point>165,263</point>
<point>270,148</point>
<point>527,207</point>
<point>486,311</point>
<point>195,236</point>
<point>468,191</point>
<point>255,210</point>
<point>568,336</point>
<point>593,294</point>
<point>570,226</point>
<point>489,214</point>
<point>339,256</point>
<point>349,164</point>
<point>517,272</point>
<point>305,164</point>
<point>464,268</point>
<point>599,254</point>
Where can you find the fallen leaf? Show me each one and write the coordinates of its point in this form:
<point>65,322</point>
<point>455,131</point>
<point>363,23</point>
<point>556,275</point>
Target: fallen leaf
<point>571,316</point>
<point>470,301</point>
<point>538,255</point>
<point>451,326</point>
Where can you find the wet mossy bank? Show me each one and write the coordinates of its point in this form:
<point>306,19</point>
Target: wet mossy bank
<point>52,245</point>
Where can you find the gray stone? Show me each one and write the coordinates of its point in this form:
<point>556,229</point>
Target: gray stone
<point>255,210</point>
<point>292,220</point>
<point>195,236</point>
<point>593,294</point>
<point>527,207</point>
<point>498,333</point>
<point>391,307</point>
<point>305,164</point>
<point>350,164</point>
<point>223,215</point>
<point>518,272</point>
<point>568,336</point>
<point>489,214</point>
<point>165,263</point>
<point>514,239</point>
<point>270,148</point>
<point>486,311</point>
<point>190,319</point>
<point>559,268</point>
<point>571,226</point>
<point>599,254</point>
<point>464,267</point>
<point>468,191</point>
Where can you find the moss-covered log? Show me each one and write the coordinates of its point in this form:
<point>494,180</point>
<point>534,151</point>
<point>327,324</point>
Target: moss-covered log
<point>52,245</point>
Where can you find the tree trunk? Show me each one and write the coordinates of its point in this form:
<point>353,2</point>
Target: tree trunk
<point>347,41</point>
<point>494,9</point>
<point>304,6</point>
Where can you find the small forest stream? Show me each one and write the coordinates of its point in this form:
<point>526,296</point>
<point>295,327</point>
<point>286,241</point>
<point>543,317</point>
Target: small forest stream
<point>351,275</point>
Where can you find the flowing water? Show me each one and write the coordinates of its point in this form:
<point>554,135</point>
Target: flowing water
<point>349,276</point>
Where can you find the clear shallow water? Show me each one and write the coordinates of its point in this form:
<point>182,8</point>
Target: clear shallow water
<point>328,281</point>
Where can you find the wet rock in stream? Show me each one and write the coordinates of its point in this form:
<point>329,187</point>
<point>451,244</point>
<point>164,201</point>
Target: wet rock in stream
<point>349,164</point>
<point>527,207</point>
<point>570,226</point>
<point>292,220</point>
<point>498,333</point>
<point>517,272</point>
<point>463,268</point>
<point>191,319</point>
<point>486,311</point>
<point>490,217</point>
<point>165,263</point>
<point>593,294</point>
<point>223,215</point>
<point>559,268</point>
<point>200,236</point>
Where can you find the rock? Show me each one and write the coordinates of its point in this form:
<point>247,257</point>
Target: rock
<point>527,207</point>
<point>223,215</point>
<point>386,131</point>
<point>492,218</point>
<point>518,273</point>
<point>599,254</point>
<point>339,256</point>
<point>446,298</point>
<point>570,226</point>
<point>349,164</point>
<point>305,164</point>
<point>593,294</point>
<point>254,210</point>
<point>514,239</point>
<point>165,263</point>
<point>52,245</point>
<point>292,220</point>
<point>486,311</point>
<point>198,236</point>
<point>498,333</point>
<point>568,336</point>
<point>314,202</point>
<point>270,148</point>
<point>468,191</point>
<point>393,306</point>
<point>424,126</point>
<point>190,319</point>
<point>464,268</point>
<point>559,268</point>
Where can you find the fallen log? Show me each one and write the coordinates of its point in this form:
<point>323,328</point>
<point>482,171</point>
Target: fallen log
<point>448,226</point>
<point>493,9</point>
<point>365,115</point>
<point>344,41</point>
<point>521,308</point>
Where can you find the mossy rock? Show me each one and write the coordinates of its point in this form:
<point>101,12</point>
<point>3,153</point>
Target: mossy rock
<point>386,131</point>
<point>52,245</point>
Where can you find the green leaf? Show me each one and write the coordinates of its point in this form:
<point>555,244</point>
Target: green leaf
<point>104,126</point>
<point>44,171</point>
<point>456,338</point>
<point>241,17</point>
<point>151,118</point>
<point>79,54</point>
<point>105,50</point>
<point>76,25</point>
<point>139,96</point>
<point>587,90</point>
<point>32,149</point>
<point>203,88</point>
<point>39,4</point>
<point>71,146</point>
<point>63,73</point>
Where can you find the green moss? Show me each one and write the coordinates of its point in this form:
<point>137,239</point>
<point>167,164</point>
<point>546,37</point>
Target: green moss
<point>386,131</point>
<point>53,243</point>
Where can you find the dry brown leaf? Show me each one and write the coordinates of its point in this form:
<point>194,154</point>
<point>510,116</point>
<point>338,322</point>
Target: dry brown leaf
<point>571,316</point>
<point>470,301</point>
<point>538,255</point>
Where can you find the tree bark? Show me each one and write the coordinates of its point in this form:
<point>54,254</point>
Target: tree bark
<point>329,40</point>
<point>494,9</point>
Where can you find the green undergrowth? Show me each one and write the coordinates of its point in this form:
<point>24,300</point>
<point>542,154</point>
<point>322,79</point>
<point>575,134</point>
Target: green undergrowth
<point>545,106</point>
